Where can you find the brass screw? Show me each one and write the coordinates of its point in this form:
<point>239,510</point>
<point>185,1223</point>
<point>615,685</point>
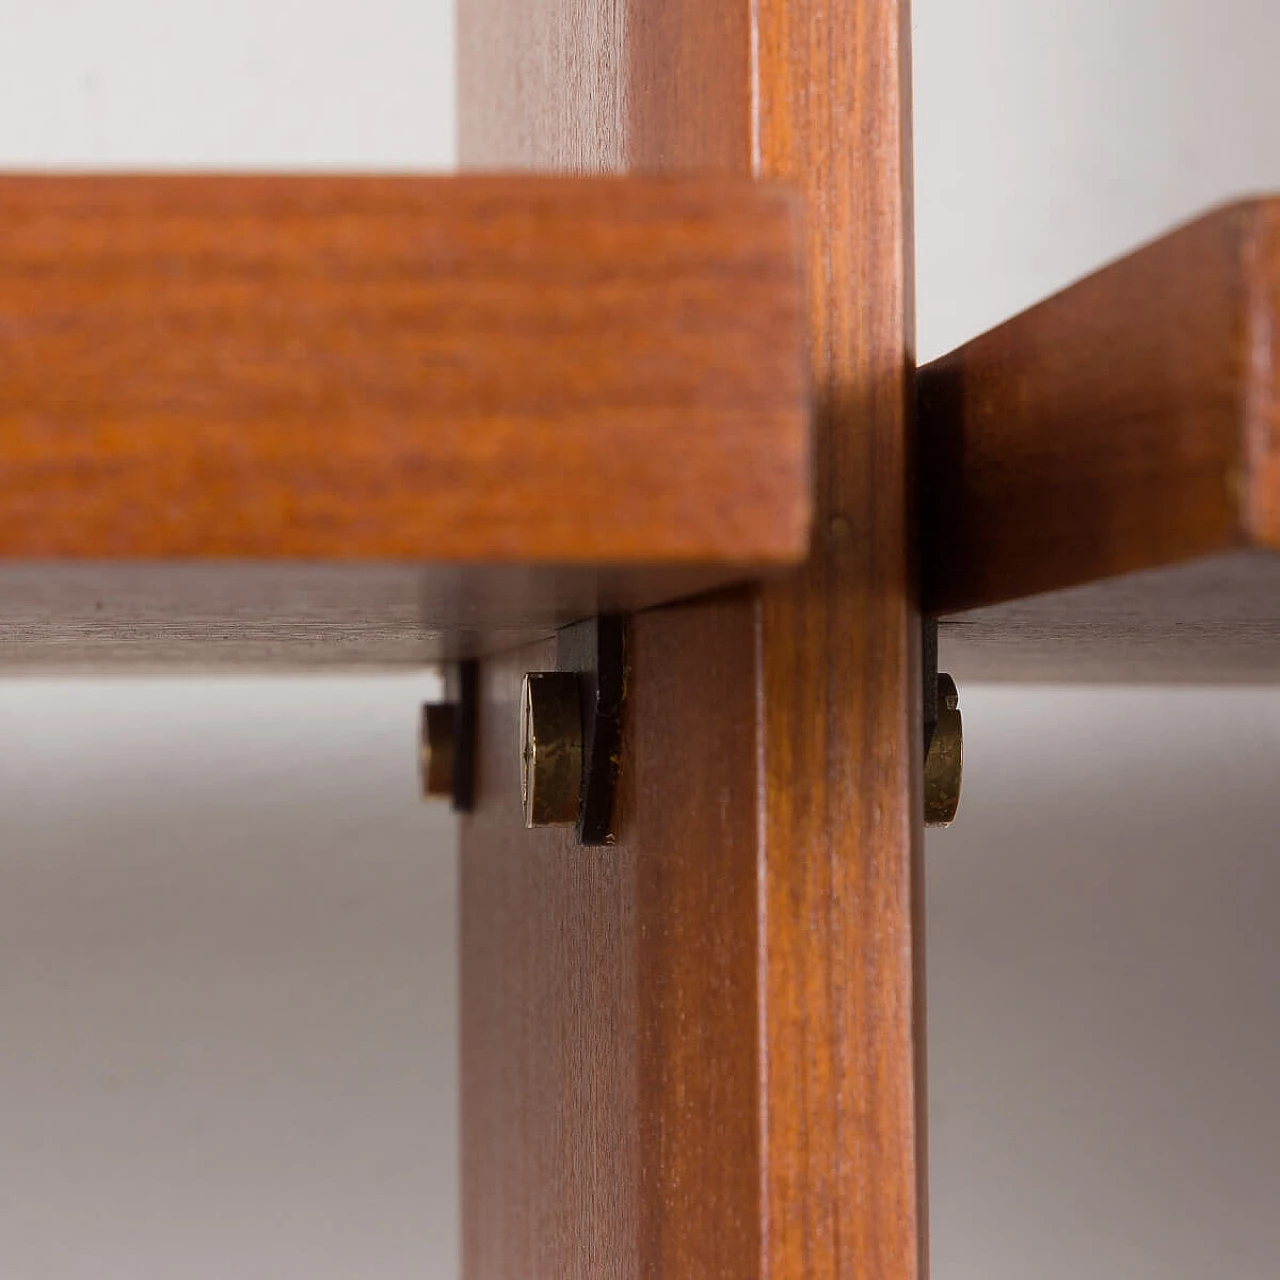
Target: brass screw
<point>944,765</point>
<point>550,749</point>
<point>437,749</point>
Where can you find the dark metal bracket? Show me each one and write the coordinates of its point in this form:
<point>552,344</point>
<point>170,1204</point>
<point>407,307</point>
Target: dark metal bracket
<point>596,652</point>
<point>448,742</point>
<point>929,679</point>
<point>462,689</point>
<point>943,735</point>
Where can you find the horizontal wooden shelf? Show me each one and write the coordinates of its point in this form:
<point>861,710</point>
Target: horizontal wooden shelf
<point>449,412</point>
<point>1101,475</point>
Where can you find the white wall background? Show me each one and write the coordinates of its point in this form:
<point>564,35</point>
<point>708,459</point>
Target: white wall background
<point>241,84</point>
<point>227,983</point>
<point>1104,1012</point>
<point>1052,137</point>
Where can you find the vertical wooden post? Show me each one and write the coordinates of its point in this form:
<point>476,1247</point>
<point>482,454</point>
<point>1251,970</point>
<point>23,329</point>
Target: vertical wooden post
<point>698,1053</point>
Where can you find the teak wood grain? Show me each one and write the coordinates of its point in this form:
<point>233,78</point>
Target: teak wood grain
<point>382,420</point>
<point>1129,425</point>
<point>698,1053</point>
<point>521,400</point>
<point>475,370</point>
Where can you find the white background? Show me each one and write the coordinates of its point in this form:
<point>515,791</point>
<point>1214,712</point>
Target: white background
<point>227,928</point>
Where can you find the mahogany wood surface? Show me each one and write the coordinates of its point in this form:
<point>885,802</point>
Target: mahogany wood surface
<point>582,376</point>
<point>1129,425</point>
<point>698,1053</point>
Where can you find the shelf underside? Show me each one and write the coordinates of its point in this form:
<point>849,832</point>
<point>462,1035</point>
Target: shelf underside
<point>1211,620</point>
<point>264,616</point>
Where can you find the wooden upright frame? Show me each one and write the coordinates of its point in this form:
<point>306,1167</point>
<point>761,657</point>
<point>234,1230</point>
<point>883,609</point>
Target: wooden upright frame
<point>698,1053</point>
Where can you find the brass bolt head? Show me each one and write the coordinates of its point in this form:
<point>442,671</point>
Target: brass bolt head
<point>437,750</point>
<point>944,765</point>
<point>550,749</point>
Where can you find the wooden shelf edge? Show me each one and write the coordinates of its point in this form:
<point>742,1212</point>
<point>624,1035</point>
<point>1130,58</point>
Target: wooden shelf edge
<point>458,371</point>
<point>1101,475</point>
<point>1127,423</point>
